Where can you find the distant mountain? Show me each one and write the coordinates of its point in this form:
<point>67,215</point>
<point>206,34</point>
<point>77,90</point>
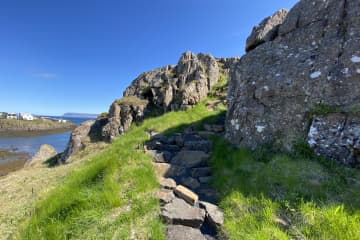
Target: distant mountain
<point>80,115</point>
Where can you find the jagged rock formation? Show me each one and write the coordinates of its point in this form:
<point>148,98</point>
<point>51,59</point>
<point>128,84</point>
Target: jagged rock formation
<point>177,87</point>
<point>311,58</point>
<point>122,113</point>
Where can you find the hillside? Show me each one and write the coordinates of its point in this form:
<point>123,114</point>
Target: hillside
<point>265,146</point>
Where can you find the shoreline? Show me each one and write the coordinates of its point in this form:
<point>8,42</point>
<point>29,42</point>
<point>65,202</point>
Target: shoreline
<point>21,128</point>
<point>11,160</point>
<point>33,133</point>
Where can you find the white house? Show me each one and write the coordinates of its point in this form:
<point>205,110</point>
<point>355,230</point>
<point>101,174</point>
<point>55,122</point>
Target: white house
<point>12,116</point>
<point>26,116</point>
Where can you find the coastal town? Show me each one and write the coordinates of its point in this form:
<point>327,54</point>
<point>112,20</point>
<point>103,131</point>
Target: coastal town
<point>29,117</point>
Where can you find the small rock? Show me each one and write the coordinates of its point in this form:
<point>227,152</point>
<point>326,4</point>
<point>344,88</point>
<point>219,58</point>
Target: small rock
<point>190,158</point>
<point>165,196</point>
<point>179,212</point>
<point>214,215</point>
<point>167,183</point>
<point>201,172</point>
<point>186,194</point>
<point>190,182</point>
<point>179,232</point>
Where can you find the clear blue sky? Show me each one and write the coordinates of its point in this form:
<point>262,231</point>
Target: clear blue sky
<point>61,56</point>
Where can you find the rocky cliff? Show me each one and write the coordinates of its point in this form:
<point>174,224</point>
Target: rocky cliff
<point>300,79</point>
<point>168,88</point>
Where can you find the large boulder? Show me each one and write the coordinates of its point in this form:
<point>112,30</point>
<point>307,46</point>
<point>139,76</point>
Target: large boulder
<point>45,153</point>
<point>314,60</point>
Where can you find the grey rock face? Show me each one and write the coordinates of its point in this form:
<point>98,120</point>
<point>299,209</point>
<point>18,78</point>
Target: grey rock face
<point>177,87</point>
<point>180,213</point>
<point>78,139</point>
<point>179,232</point>
<point>122,114</point>
<point>315,59</point>
<point>267,30</point>
<point>213,214</point>
<point>336,136</point>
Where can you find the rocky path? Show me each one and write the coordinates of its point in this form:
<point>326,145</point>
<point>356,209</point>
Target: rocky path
<point>188,202</point>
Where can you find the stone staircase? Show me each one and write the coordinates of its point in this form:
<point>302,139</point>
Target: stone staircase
<point>189,204</point>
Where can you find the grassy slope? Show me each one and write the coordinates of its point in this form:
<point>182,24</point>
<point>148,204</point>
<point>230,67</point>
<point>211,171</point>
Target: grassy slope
<point>265,195</point>
<point>21,189</point>
<point>112,196</point>
<point>315,198</point>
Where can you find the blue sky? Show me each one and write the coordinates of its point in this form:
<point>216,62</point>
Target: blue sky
<point>61,56</point>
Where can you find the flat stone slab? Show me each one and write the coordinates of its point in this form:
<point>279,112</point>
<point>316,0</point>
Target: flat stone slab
<point>214,215</point>
<point>167,183</point>
<point>179,232</point>
<point>165,196</point>
<point>186,194</point>
<point>190,159</point>
<point>178,212</point>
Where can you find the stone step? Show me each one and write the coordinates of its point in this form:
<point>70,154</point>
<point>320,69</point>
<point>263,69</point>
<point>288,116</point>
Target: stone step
<point>179,212</point>
<point>168,170</point>
<point>190,159</point>
<point>186,194</point>
<point>214,215</point>
<point>179,232</point>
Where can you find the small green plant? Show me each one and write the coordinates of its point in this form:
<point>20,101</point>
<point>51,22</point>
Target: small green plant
<point>322,109</point>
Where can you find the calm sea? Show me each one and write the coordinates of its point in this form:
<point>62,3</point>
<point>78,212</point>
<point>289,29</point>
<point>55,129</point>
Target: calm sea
<point>32,144</point>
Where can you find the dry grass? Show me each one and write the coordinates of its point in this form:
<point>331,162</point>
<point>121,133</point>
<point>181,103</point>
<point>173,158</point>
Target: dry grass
<point>21,189</point>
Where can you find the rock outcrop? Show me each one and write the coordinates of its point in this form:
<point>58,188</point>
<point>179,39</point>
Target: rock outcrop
<point>78,139</point>
<point>311,58</point>
<point>122,114</point>
<point>177,86</point>
<point>45,152</point>
<point>172,87</point>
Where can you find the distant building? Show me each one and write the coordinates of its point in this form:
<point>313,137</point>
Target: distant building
<point>12,116</point>
<point>3,115</point>
<point>26,116</point>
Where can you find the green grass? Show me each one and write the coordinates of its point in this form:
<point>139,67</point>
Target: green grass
<point>314,198</point>
<point>112,196</point>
